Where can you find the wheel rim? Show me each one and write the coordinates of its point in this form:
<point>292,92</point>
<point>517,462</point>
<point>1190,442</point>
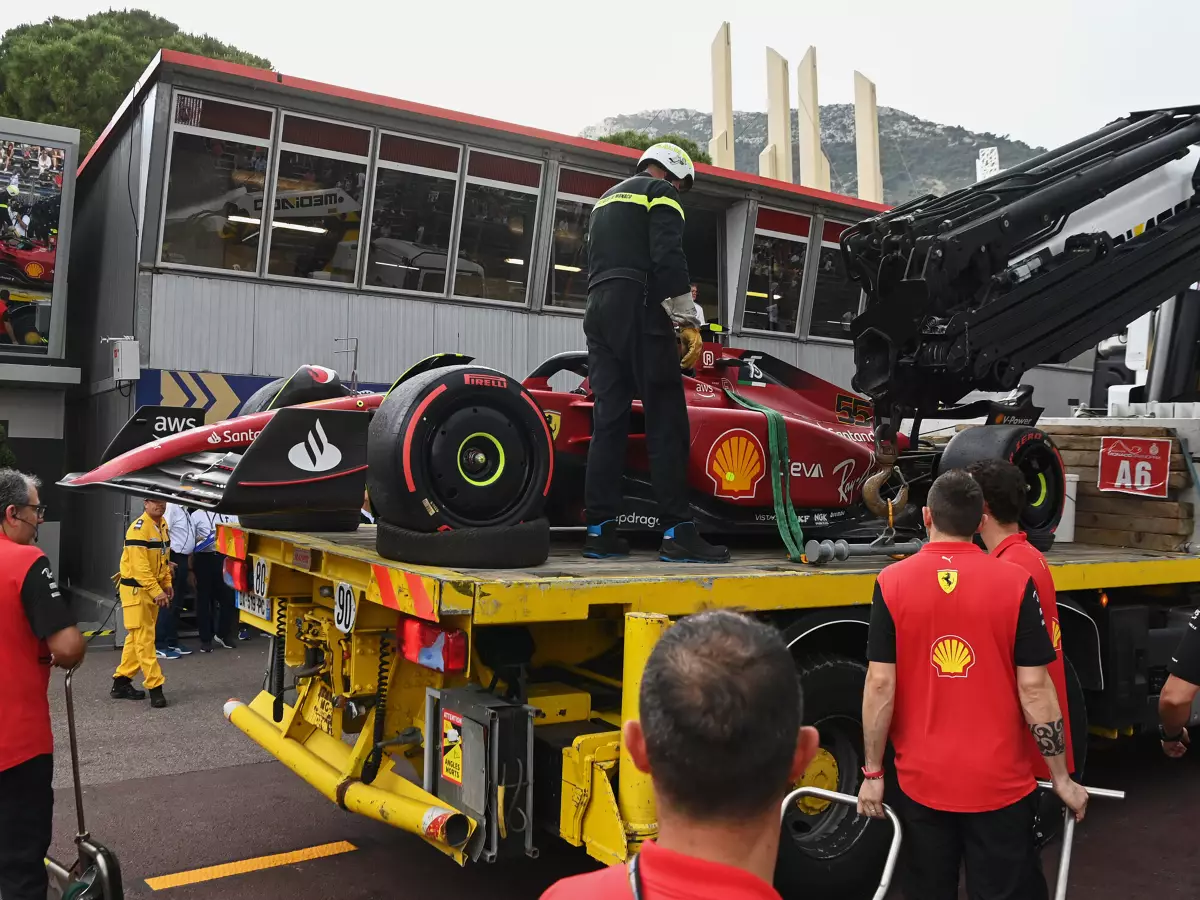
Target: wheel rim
<point>480,462</point>
<point>820,829</point>
<point>1044,486</point>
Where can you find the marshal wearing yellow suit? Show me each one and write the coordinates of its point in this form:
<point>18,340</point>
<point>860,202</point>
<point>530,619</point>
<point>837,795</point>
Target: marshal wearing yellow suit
<point>145,585</point>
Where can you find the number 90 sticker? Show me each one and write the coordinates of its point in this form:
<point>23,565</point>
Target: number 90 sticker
<point>345,607</point>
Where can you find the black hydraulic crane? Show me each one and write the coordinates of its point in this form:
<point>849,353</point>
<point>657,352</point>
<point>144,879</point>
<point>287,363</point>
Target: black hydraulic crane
<point>1035,265</point>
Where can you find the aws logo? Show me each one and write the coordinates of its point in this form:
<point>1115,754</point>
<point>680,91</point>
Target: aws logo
<point>952,656</point>
<point>735,463</point>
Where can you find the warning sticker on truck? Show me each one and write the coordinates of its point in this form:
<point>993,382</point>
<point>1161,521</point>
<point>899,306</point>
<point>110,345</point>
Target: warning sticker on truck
<point>452,757</point>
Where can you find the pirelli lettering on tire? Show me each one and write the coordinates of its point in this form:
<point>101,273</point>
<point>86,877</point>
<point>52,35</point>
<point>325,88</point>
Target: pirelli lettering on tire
<point>489,381</point>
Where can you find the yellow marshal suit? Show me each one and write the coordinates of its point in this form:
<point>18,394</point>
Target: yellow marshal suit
<point>145,574</point>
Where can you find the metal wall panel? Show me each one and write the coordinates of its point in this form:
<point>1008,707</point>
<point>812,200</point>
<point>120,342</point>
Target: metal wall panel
<point>102,266</point>
<point>393,333</point>
<point>203,324</point>
<point>296,325</point>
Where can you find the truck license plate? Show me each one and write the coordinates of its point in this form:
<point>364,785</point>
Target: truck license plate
<point>254,605</point>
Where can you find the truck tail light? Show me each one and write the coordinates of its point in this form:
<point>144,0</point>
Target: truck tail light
<point>440,649</point>
<point>237,574</point>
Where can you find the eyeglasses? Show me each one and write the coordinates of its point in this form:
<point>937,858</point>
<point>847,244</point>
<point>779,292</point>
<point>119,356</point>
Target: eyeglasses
<point>40,509</point>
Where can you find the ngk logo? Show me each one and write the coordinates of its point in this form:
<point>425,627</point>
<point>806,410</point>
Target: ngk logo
<point>491,381</point>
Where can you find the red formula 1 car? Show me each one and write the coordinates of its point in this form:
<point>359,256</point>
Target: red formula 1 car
<point>453,448</point>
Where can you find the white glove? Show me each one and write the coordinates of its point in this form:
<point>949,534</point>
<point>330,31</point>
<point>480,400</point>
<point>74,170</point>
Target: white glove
<point>682,310</point>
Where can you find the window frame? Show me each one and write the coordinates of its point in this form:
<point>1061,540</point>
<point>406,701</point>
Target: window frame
<point>805,301</point>
<point>280,146</point>
<point>272,145</point>
<point>565,166</point>
<point>537,192</point>
<point>368,223</point>
<point>811,294</point>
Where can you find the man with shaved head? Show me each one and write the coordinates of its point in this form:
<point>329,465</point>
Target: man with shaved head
<point>720,736</point>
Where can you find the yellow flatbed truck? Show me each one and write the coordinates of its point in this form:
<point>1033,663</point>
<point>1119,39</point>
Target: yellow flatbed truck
<point>503,691</point>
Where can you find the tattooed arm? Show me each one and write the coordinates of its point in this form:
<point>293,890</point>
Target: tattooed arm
<point>1040,704</point>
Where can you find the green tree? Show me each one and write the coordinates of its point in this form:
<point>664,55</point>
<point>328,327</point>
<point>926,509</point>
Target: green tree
<point>76,72</point>
<point>640,140</point>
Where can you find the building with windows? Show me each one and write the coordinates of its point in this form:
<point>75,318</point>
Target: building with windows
<point>239,223</point>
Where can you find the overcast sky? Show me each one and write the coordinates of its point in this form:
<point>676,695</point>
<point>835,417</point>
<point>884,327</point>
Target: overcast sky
<point>1044,72</point>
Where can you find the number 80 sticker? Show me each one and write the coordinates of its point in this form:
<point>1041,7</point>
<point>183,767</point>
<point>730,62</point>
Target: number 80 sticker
<point>345,607</point>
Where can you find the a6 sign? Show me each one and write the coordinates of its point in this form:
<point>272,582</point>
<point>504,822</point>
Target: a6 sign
<point>345,607</point>
<point>1132,465</point>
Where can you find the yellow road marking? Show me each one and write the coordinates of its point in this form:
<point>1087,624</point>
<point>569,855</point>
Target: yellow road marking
<point>241,867</point>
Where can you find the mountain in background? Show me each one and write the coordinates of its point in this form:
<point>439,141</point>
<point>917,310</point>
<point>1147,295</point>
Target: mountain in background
<point>917,156</point>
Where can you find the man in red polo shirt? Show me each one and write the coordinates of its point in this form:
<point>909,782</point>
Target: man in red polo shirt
<point>36,631</point>
<point>720,736</point>
<point>958,654</point>
<point>1004,496</point>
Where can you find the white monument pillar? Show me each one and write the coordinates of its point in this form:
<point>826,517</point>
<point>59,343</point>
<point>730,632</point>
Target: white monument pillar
<point>988,163</point>
<point>866,139</point>
<point>776,160</point>
<point>814,167</point>
<point>720,148</point>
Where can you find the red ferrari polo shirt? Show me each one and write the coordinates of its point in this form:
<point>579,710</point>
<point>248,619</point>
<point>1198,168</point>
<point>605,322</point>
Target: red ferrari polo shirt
<point>24,660</point>
<point>1016,549</point>
<point>956,623</point>
<point>666,875</point>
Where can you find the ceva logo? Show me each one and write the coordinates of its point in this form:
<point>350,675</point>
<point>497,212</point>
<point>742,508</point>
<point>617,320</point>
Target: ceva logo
<point>315,453</point>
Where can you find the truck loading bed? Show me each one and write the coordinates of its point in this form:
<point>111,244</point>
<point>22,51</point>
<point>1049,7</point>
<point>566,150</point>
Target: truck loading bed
<point>566,586</point>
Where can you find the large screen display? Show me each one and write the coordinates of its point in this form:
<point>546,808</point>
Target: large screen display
<point>31,183</point>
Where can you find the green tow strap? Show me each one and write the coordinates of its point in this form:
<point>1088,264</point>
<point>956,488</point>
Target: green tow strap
<point>781,471</point>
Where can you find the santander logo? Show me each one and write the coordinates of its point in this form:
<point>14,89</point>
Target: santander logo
<point>214,438</point>
<point>315,453</point>
<point>233,437</point>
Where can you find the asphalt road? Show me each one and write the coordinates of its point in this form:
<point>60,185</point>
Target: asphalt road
<point>181,789</point>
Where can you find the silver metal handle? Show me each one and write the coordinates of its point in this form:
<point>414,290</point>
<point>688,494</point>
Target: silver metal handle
<point>74,752</point>
<point>889,867</point>
<point>1064,859</point>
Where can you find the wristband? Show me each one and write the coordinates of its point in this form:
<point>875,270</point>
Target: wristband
<point>872,776</point>
<point>1166,739</point>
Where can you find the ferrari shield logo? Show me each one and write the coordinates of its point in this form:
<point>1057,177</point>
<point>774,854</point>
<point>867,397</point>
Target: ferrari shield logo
<point>948,579</point>
<point>553,419</point>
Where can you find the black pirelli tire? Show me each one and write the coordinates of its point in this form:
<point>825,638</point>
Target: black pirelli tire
<point>261,399</point>
<point>1031,451</point>
<point>459,447</point>
<point>508,547</point>
<point>828,850</point>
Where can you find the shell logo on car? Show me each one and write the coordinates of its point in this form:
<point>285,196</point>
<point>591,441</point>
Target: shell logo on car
<point>952,657</point>
<point>735,463</point>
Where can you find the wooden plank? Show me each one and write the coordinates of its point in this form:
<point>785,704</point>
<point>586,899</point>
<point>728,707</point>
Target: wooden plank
<point>1091,442</point>
<point>1147,524</point>
<point>1161,542</point>
<point>1091,458</point>
<point>1109,430</point>
<point>1176,481</point>
<point>1098,501</point>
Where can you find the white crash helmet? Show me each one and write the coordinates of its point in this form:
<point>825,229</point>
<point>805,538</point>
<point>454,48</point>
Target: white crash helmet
<point>673,158</point>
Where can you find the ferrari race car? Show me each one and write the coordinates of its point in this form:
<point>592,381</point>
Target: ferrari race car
<point>455,452</point>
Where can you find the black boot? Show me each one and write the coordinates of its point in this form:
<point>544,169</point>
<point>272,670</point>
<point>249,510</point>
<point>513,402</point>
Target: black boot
<point>684,544</point>
<point>603,542</point>
<point>157,700</point>
<point>123,689</point>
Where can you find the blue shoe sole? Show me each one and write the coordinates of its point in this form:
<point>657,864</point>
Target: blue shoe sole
<point>664,558</point>
<point>605,555</point>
